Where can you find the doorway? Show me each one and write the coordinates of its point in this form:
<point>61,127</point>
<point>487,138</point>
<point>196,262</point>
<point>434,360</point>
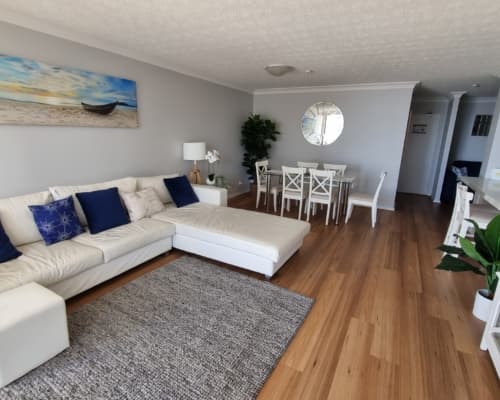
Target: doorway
<point>418,164</point>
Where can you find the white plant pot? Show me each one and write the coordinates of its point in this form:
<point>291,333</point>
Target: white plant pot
<point>482,305</point>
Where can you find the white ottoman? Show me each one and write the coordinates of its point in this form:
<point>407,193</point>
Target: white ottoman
<point>33,329</point>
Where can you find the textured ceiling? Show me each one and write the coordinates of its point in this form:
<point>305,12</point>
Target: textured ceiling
<point>448,45</point>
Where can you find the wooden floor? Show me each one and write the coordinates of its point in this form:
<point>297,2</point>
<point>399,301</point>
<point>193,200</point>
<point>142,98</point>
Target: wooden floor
<point>385,324</point>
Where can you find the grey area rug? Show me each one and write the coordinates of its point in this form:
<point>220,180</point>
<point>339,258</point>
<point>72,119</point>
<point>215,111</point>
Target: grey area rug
<point>189,330</point>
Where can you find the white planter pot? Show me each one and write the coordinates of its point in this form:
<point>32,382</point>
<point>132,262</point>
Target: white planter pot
<point>482,305</point>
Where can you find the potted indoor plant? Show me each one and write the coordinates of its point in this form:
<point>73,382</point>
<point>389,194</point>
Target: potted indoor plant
<point>480,257</point>
<point>257,133</point>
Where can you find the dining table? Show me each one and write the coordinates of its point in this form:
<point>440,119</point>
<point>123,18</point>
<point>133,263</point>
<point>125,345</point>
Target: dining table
<point>343,183</point>
<point>487,189</point>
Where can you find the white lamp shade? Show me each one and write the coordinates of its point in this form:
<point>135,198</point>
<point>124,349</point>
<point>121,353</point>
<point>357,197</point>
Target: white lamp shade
<point>195,151</point>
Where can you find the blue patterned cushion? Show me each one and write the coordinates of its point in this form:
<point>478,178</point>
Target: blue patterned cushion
<point>57,221</point>
<point>7,250</point>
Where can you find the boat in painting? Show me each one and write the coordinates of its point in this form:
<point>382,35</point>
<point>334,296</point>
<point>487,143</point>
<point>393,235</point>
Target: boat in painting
<point>103,109</point>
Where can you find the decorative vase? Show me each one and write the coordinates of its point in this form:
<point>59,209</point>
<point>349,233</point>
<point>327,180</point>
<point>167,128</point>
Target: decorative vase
<point>210,179</point>
<point>482,305</point>
<point>219,181</point>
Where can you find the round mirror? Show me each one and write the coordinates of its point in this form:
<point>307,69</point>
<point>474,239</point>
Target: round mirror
<point>322,123</point>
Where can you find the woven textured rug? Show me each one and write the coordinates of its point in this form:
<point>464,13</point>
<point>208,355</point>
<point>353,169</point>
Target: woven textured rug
<point>189,330</point>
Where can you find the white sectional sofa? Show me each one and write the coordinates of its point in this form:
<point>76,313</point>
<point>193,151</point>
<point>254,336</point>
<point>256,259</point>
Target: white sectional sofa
<point>251,240</point>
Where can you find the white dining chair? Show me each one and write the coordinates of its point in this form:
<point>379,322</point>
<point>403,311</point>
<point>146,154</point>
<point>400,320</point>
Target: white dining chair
<point>365,200</point>
<point>261,169</point>
<point>307,165</point>
<point>461,210</point>
<point>338,168</point>
<point>320,192</point>
<point>293,186</point>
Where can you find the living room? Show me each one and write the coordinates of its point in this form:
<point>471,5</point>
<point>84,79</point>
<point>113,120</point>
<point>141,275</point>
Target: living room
<point>269,306</point>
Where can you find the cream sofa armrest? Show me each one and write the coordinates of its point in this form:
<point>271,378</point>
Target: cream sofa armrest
<point>211,194</point>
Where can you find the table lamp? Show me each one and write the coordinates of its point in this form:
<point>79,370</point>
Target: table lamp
<point>194,151</point>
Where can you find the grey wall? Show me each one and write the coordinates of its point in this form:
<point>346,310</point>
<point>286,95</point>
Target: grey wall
<point>491,158</point>
<point>173,109</point>
<point>372,141</point>
<point>465,146</point>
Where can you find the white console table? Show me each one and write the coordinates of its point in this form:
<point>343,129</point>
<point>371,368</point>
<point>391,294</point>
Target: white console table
<point>491,334</point>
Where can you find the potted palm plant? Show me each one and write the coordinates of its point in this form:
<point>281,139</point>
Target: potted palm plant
<point>480,257</point>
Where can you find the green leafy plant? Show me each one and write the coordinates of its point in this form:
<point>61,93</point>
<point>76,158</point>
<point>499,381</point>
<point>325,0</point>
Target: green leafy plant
<point>257,134</point>
<point>481,257</point>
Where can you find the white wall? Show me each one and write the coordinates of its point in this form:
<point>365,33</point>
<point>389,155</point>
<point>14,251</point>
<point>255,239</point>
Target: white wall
<point>372,140</point>
<point>437,106</point>
<point>465,146</point>
<point>173,108</point>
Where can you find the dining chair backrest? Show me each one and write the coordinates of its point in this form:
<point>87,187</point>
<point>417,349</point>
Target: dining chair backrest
<point>260,172</point>
<point>379,186</point>
<point>293,179</point>
<point>321,183</point>
<point>461,211</point>
<point>308,165</point>
<point>338,168</point>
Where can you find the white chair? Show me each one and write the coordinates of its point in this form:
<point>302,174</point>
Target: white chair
<point>261,169</point>
<point>365,200</point>
<point>320,192</point>
<point>461,210</point>
<point>307,165</point>
<point>293,186</point>
<point>338,168</point>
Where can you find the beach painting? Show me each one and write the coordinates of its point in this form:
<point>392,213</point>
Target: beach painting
<point>34,93</point>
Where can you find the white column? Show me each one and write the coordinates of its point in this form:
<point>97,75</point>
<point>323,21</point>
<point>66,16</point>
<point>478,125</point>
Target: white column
<point>491,158</point>
<point>452,119</point>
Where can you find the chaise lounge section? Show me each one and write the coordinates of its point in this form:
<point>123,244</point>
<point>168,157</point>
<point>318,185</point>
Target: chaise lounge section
<point>247,239</point>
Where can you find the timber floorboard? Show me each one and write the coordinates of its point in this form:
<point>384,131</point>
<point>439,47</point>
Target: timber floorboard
<point>385,323</point>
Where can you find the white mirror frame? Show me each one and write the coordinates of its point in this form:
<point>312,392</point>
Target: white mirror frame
<point>322,123</point>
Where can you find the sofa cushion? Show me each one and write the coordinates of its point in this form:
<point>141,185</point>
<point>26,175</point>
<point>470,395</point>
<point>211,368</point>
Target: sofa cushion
<point>121,240</point>
<point>261,234</point>
<point>48,264</point>
<point>17,219</point>
<point>7,250</point>
<point>158,184</point>
<point>143,203</point>
<point>57,220</point>
<point>103,209</point>
<point>181,191</point>
<point>59,192</point>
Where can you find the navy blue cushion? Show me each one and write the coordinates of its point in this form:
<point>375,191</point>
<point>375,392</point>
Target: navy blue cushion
<point>7,250</point>
<point>57,221</point>
<point>103,209</point>
<point>181,191</point>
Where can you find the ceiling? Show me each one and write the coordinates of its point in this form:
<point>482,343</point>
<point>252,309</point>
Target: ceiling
<point>447,45</point>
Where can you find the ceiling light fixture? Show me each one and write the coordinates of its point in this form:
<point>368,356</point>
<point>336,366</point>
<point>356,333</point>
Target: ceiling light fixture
<point>476,85</point>
<point>278,69</point>
<point>309,71</point>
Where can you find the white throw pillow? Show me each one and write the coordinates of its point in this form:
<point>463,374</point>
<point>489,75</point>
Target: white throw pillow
<point>156,182</point>
<point>143,203</point>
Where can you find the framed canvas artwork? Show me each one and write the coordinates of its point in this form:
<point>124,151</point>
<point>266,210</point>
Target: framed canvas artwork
<point>34,93</point>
